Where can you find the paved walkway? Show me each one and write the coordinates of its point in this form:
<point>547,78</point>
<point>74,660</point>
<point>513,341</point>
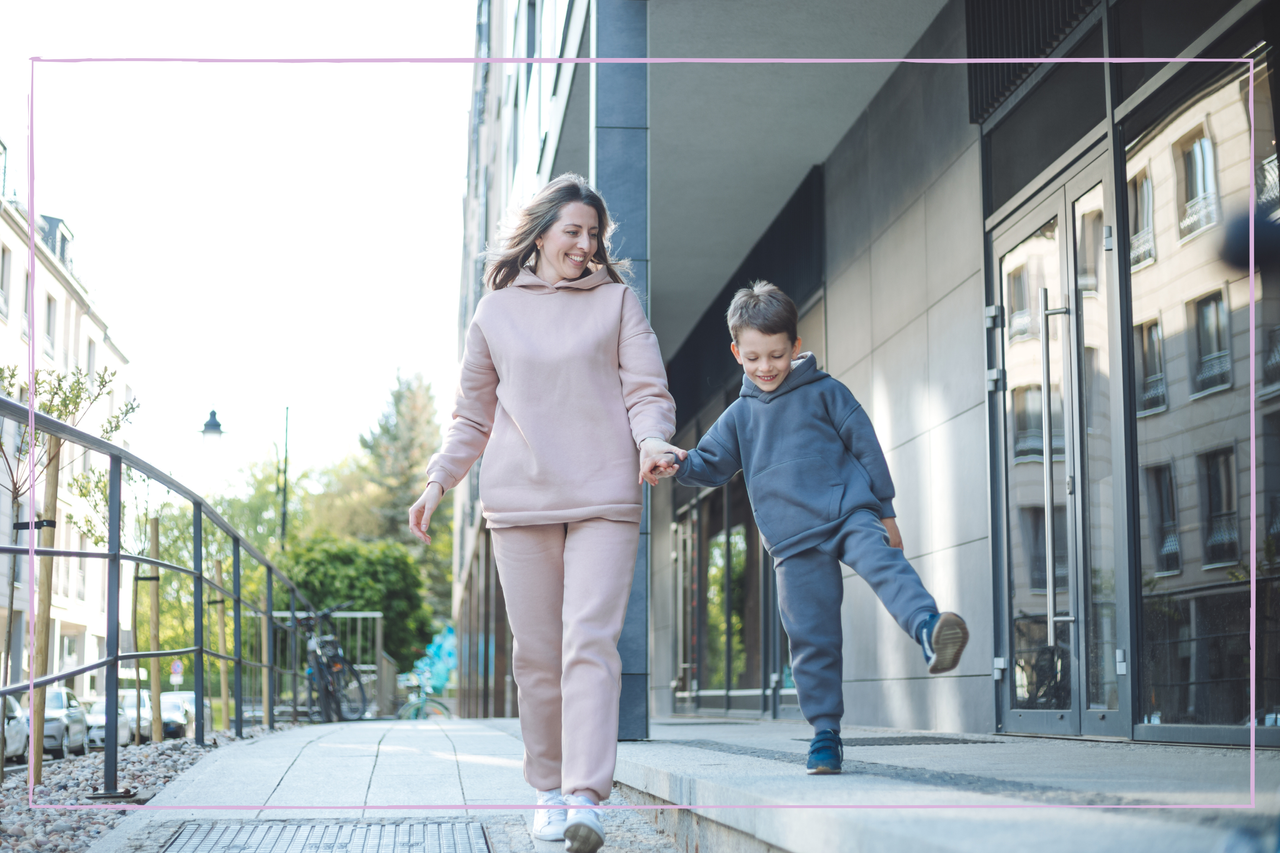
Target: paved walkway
<point>732,772</point>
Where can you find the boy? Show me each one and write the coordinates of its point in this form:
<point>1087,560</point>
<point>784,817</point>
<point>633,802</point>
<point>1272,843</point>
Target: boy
<point>821,495</point>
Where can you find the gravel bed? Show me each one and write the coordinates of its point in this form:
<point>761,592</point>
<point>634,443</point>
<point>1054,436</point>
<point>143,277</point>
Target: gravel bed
<point>148,768</point>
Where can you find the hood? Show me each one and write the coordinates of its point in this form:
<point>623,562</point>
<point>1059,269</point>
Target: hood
<point>803,371</point>
<point>526,280</point>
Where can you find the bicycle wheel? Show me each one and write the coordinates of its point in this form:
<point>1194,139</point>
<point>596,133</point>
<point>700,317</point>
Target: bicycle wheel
<point>347,690</point>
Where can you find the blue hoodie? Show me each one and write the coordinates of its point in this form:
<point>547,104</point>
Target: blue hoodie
<point>809,455</point>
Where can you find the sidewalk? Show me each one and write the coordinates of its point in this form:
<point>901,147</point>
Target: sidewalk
<point>378,772</point>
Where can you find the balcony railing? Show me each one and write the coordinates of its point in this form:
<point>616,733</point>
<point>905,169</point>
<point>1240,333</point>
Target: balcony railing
<point>1215,371</point>
<point>1153,393</point>
<point>1268,183</point>
<point>1142,246</point>
<point>1170,557</point>
<point>1030,442</point>
<point>1200,212</point>
<point>274,668</point>
<point>1222,545</point>
<point>1271,366</point>
<point>1020,323</point>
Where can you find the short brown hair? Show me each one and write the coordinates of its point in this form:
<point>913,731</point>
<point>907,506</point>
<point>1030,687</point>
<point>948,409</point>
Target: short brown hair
<point>765,308</point>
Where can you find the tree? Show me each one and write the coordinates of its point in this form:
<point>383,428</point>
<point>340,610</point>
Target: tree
<point>380,575</point>
<point>66,397</point>
<point>399,448</point>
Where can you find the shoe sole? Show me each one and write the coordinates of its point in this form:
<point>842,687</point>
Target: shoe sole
<point>823,771</point>
<point>554,836</point>
<point>582,838</point>
<point>950,636</point>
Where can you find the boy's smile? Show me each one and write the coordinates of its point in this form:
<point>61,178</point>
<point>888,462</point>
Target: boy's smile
<point>766,359</point>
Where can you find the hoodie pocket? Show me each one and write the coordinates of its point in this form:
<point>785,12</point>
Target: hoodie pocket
<point>795,496</point>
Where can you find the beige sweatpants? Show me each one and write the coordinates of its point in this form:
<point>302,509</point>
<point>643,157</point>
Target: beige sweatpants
<point>566,588</point>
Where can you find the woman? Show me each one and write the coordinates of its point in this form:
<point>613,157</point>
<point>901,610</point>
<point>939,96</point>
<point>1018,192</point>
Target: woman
<point>563,389</point>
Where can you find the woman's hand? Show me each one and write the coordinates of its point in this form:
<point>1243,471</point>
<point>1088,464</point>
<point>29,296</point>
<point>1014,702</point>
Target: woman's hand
<point>654,461</point>
<point>423,507</point>
<point>891,527</point>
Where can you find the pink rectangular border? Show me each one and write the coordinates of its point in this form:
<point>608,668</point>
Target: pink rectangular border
<point>1253,472</point>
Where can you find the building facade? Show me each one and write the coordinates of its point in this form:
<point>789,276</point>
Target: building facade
<point>1015,267</point>
<point>70,333</point>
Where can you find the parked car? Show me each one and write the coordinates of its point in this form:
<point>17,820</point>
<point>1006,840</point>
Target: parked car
<point>188,700</point>
<point>174,714</point>
<point>97,718</point>
<point>65,729</point>
<point>127,700</point>
<point>16,731</point>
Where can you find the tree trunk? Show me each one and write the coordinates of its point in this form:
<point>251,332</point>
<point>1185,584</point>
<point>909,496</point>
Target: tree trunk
<point>222,648</point>
<point>8,622</point>
<point>157,724</point>
<point>40,667</point>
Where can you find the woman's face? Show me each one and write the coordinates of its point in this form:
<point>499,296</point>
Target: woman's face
<point>565,247</point>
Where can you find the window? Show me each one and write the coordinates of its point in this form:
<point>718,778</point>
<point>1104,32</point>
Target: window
<point>90,364</point>
<point>1162,515</point>
<point>1212,367</point>
<point>1033,539</point>
<point>1148,349</point>
<point>26,304</point>
<point>1221,528</point>
<point>1028,423</point>
<point>1019,308</point>
<point>1089,258</point>
<point>1199,185</point>
<point>1142,241</point>
<point>80,573</point>
<point>6,261</point>
<point>50,322</point>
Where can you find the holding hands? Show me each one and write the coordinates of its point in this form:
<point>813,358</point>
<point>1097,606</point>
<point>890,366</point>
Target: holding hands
<point>658,459</point>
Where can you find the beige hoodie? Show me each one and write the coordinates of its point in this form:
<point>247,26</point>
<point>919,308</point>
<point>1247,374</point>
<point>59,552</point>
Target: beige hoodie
<point>559,385</point>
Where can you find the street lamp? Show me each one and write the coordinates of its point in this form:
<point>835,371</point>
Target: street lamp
<point>212,429</point>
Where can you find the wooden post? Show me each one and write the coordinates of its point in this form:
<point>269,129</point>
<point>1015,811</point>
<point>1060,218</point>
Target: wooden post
<point>222,648</point>
<point>157,724</point>
<point>40,666</point>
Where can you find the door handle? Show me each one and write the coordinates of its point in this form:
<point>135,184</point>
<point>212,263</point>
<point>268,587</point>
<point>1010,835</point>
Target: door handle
<point>1046,430</point>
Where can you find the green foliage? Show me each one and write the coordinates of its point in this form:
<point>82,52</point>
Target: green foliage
<point>380,575</point>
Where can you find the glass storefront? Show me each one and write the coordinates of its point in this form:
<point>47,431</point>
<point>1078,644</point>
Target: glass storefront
<point>1189,172</point>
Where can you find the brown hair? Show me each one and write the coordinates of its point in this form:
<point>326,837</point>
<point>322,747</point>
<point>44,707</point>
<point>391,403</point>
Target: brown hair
<point>765,308</point>
<point>520,245</point>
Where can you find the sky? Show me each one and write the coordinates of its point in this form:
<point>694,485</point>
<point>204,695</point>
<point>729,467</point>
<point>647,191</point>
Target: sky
<point>256,236</point>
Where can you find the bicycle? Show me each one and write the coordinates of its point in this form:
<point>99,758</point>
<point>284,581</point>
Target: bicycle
<point>336,692</point>
<point>423,704</point>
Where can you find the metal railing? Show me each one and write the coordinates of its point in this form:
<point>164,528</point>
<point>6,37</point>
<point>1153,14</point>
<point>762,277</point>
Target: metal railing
<point>115,555</point>
<point>1214,371</point>
<point>1222,544</point>
<point>1153,392</point>
<point>1200,212</point>
<point>1142,246</point>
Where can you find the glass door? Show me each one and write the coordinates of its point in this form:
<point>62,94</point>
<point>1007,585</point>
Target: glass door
<point>1060,596</point>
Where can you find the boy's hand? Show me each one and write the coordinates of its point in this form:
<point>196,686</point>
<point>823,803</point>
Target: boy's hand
<point>891,527</point>
<point>658,459</point>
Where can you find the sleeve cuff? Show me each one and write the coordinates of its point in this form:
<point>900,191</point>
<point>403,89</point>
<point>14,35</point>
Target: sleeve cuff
<point>886,509</point>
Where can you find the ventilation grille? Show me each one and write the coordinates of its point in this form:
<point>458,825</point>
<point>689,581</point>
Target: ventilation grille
<point>1009,29</point>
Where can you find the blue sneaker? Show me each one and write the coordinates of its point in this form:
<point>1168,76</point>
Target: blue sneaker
<point>826,752</point>
<point>942,638</point>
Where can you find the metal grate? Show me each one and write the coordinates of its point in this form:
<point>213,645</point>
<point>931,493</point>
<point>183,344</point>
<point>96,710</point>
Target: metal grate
<point>462,837</point>
<point>997,29</point>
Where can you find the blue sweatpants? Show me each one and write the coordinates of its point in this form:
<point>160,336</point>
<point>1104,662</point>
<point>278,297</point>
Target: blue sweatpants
<point>810,592</point>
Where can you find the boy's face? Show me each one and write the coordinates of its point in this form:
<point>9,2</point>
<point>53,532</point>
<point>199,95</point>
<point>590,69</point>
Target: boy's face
<point>766,359</point>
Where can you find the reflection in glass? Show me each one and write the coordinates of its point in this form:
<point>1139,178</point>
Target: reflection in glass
<point>711,651</point>
<point>1191,329</point>
<point>1041,661</point>
<point>1093,286</point>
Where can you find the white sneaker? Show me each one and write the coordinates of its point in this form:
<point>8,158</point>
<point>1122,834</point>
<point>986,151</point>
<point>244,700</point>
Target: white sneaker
<point>548,824</point>
<point>583,831</point>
